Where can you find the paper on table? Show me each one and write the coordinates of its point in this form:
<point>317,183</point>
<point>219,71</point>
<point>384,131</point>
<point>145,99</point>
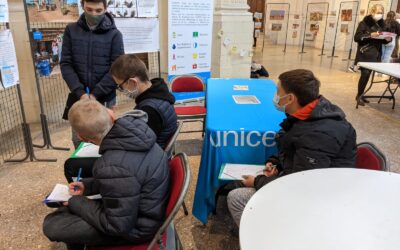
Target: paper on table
<point>232,171</point>
<point>240,87</point>
<point>60,194</point>
<point>88,150</point>
<point>246,99</point>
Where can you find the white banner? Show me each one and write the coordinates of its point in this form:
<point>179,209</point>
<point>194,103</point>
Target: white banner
<point>140,35</point>
<point>8,60</point>
<point>3,11</point>
<point>189,37</point>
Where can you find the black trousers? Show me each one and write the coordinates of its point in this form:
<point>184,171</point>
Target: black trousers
<point>363,81</point>
<point>63,226</point>
<point>72,165</point>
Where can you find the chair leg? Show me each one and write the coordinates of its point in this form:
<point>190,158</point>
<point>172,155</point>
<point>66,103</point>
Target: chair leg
<point>185,209</point>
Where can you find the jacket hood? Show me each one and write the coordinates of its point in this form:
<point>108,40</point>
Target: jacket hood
<point>129,133</point>
<point>105,25</point>
<point>369,20</point>
<point>325,109</point>
<point>158,90</point>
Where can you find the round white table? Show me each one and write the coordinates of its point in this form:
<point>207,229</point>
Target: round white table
<point>325,209</point>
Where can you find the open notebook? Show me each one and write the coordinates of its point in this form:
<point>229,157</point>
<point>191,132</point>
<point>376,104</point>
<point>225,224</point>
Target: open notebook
<point>86,150</point>
<point>230,171</point>
<point>60,194</point>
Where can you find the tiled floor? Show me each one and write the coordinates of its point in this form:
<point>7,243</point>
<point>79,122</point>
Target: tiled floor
<point>23,186</point>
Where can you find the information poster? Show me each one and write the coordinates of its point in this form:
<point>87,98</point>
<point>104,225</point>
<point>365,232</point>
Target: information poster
<point>52,11</point>
<point>140,35</point>
<point>8,60</point>
<point>189,37</point>
<point>3,11</point>
<point>147,8</point>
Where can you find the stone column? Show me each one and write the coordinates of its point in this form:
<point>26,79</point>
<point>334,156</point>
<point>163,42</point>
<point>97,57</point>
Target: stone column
<point>18,27</point>
<point>232,39</point>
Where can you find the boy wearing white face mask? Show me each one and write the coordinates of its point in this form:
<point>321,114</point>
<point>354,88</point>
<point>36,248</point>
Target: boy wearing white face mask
<point>89,47</point>
<point>151,96</point>
<point>369,48</point>
<point>315,134</point>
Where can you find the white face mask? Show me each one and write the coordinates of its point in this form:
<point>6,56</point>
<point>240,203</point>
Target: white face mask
<point>131,93</point>
<point>276,100</point>
<point>398,20</point>
<point>377,17</point>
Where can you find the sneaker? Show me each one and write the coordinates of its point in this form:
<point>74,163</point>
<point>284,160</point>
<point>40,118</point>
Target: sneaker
<point>352,69</point>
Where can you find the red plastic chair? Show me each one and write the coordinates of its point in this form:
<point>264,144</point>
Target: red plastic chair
<point>189,83</point>
<point>179,172</point>
<point>370,157</point>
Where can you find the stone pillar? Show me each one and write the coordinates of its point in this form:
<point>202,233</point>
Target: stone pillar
<point>233,22</point>
<point>18,27</point>
<point>163,17</point>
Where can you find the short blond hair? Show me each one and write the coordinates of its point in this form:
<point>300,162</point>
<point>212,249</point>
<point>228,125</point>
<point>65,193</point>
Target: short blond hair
<point>90,119</point>
<point>375,7</point>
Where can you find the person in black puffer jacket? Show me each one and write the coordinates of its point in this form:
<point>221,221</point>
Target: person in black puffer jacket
<point>369,49</point>
<point>153,97</point>
<point>90,46</point>
<point>131,176</point>
<point>315,134</point>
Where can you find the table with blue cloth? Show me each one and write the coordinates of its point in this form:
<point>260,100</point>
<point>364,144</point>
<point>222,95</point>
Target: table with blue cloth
<point>235,133</point>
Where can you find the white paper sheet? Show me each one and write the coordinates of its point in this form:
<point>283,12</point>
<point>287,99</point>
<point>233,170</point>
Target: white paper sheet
<point>147,8</point>
<point>236,171</point>
<point>60,194</point>
<point>3,11</point>
<point>8,60</point>
<point>246,99</point>
<point>140,35</point>
<point>88,150</point>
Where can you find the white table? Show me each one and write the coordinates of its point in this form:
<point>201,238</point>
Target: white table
<point>325,209</point>
<point>390,69</point>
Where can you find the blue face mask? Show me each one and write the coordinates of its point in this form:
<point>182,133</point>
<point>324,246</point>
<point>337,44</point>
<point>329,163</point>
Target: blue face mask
<point>276,100</point>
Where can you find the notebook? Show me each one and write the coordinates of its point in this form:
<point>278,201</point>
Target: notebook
<point>60,194</point>
<point>230,171</point>
<point>86,150</point>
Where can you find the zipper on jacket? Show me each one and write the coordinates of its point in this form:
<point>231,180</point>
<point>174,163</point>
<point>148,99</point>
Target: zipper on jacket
<point>90,61</point>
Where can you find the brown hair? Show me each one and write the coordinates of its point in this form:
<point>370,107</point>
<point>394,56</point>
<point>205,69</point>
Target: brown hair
<point>302,83</point>
<point>95,1</point>
<point>390,17</point>
<point>129,66</point>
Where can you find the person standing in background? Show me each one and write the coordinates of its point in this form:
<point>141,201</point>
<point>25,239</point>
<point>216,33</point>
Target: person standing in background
<point>392,26</point>
<point>369,48</point>
<point>90,46</point>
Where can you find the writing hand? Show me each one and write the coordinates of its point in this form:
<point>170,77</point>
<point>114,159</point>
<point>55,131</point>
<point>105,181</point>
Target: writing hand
<point>76,188</point>
<point>270,170</point>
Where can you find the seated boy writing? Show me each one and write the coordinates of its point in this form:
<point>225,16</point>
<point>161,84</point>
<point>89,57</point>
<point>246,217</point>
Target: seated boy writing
<point>131,176</point>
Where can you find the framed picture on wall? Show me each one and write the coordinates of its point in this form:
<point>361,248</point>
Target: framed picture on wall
<point>294,34</point>
<point>309,37</point>
<point>295,26</point>
<point>344,28</point>
<point>314,27</point>
<point>277,15</point>
<point>296,16</point>
<point>316,16</point>
<point>346,15</point>
<point>276,27</point>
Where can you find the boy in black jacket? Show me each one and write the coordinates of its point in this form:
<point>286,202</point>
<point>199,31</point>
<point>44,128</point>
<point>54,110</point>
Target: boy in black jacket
<point>315,134</point>
<point>131,176</point>
<point>90,46</point>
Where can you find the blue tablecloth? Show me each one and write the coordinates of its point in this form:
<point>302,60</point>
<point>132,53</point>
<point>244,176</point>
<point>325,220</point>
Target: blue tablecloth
<point>235,133</point>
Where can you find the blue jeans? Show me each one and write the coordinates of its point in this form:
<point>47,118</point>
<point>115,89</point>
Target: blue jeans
<point>387,50</point>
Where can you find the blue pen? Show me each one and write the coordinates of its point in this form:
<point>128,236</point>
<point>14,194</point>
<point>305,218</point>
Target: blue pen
<point>78,178</point>
<point>88,91</point>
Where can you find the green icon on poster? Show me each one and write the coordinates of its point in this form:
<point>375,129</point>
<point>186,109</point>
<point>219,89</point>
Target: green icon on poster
<point>195,34</point>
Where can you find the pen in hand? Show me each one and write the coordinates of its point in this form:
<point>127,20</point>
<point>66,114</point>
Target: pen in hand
<point>88,91</point>
<point>78,179</point>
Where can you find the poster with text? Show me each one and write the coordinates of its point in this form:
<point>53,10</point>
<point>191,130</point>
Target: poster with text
<point>147,8</point>
<point>189,37</point>
<point>140,35</point>
<point>8,61</point>
<point>3,11</point>
<point>52,11</point>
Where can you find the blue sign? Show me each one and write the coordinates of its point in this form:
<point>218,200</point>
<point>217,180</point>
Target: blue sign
<point>37,35</point>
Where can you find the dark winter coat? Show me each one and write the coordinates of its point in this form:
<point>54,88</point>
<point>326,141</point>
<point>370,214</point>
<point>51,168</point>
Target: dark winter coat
<point>133,179</point>
<point>87,57</point>
<point>369,49</point>
<point>324,140</point>
<point>158,103</point>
